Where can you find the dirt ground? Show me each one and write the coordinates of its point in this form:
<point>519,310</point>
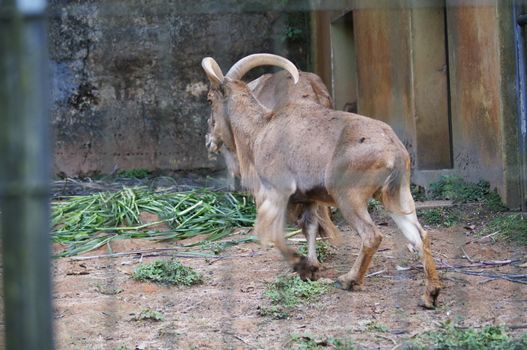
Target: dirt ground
<point>96,301</point>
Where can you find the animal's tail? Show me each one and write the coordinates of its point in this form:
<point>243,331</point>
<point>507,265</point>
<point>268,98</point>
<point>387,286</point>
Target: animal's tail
<point>395,192</point>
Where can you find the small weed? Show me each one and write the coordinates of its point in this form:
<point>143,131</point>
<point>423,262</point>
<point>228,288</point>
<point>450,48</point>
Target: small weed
<point>439,216</point>
<point>341,344</point>
<point>374,205</point>
<point>276,312</point>
<point>303,342</point>
<point>108,289</point>
<point>308,342</point>
<point>214,247</point>
<point>133,173</point>
<point>451,337</point>
<point>455,188</point>
<point>512,227</point>
<point>121,347</point>
<point>323,250</point>
<point>418,193</point>
<point>150,315</point>
<point>289,291</point>
<point>167,272</point>
<point>377,327</point>
<point>494,202</point>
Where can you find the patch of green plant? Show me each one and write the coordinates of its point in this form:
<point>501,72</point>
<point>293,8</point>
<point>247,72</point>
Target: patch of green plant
<point>84,223</point>
<point>377,327</point>
<point>308,342</point>
<point>457,189</point>
<point>439,216</point>
<point>494,203</point>
<point>511,227</point>
<point>374,205</point>
<point>289,291</point>
<point>167,272</point>
<point>322,248</point>
<point>121,347</point>
<point>452,337</point>
<point>150,315</point>
<point>214,247</point>
<point>418,193</point>
<point>133,173</point>
<point>276,312</point>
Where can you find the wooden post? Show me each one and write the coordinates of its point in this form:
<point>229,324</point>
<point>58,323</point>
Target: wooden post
<point>25,175</point>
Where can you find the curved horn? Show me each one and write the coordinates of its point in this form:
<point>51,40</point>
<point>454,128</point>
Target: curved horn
<point>244,65</point>
<point>212,70</point>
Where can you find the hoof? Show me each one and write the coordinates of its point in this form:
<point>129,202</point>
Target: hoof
<point>346,284</point>
<point>429,299</point>
<point>305,270</point>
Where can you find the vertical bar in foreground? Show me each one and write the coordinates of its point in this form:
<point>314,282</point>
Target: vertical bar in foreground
<point>24,175</point>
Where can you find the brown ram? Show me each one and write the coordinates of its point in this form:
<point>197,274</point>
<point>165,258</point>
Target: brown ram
<point>313,155</point>
<point>276,91</point>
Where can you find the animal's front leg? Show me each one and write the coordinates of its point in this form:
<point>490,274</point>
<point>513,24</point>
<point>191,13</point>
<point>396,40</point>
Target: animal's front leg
<point>270,223</point>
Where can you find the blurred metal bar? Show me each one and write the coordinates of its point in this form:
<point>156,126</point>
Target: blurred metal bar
<point>522,20</point>
<point>25,175</point>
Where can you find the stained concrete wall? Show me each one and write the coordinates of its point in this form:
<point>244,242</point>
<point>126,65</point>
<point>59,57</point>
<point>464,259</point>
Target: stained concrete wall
<point>384,68</point>
<point>461,120</point>
<point>481,60</point>
<point>400,71</point>
<point>128,88</point>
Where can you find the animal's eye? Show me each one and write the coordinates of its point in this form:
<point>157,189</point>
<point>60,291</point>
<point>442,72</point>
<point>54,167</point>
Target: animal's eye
<point>209,101</point>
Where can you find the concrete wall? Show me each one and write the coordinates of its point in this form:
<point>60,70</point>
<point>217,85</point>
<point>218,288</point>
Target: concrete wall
<point>128,87</point>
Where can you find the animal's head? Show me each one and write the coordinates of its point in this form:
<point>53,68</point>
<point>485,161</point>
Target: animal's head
<point>222,88</point>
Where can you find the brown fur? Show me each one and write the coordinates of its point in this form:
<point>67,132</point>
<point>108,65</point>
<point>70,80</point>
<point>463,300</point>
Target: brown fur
<point>324,157</point>
<point>275,91</point>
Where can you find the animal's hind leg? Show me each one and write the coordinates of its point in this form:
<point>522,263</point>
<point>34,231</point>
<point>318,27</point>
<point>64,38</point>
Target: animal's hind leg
<point>419,238</point>
<point>307,269</point>
<point>326,227</point>
<point>355,211</point>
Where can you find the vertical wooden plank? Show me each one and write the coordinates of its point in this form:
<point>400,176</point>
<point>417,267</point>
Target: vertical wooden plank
<point>475,82</point>
<point>430,87</point>
<point>382,38</point>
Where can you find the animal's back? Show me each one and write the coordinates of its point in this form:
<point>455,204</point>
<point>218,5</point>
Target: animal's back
<point>306,141</point>
<point>277,90</point>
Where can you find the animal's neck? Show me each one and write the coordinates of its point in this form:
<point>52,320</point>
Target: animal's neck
<point>247,119</point>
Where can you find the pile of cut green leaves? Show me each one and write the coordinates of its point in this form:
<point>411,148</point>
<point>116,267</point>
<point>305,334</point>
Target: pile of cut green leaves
<point>84,223</point>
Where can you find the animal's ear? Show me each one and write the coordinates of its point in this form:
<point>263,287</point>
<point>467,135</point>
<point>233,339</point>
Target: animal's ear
<point>213,71</point>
